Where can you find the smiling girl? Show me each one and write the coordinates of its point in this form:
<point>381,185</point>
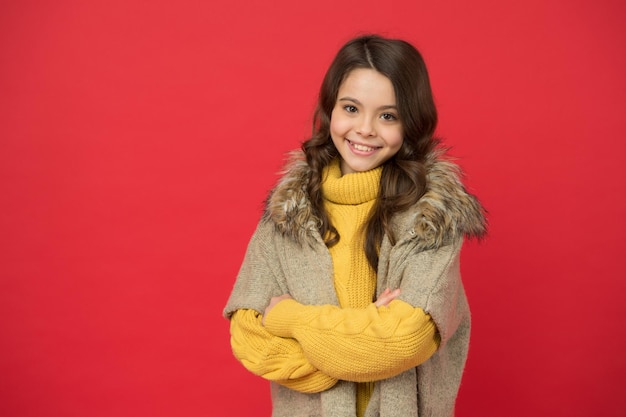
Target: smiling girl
<point>349,299</point>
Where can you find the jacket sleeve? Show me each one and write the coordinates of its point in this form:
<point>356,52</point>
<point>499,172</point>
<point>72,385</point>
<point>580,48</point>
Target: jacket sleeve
<point>357,344</point>
<point>271,357</point>
<point>274,358</point>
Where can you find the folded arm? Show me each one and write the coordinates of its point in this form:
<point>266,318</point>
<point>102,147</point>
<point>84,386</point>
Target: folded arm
<point>357,344</point>
<point>272,357</point>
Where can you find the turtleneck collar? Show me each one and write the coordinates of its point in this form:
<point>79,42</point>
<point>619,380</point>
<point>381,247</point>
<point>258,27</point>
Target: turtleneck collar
<point>355,188</point>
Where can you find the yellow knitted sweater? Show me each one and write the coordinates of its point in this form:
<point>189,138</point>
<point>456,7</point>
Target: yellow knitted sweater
<point>348,200</point>
<point>356,341</point>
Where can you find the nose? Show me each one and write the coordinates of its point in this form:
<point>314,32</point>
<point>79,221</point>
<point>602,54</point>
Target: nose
<point>365,127</point>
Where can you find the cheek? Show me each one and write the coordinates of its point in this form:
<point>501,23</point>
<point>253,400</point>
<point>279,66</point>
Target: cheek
<point>395,137</point>
<point>338,125</point>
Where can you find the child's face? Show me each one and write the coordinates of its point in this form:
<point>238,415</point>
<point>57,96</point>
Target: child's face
<point>365,125</point>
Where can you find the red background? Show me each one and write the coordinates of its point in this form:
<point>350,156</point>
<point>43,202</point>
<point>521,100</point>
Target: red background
<point>138,140</point>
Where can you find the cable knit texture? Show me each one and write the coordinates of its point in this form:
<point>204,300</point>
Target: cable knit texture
<point>287,255</point>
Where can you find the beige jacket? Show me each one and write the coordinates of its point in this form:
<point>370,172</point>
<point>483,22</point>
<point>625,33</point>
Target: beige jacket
<point>287,255</point>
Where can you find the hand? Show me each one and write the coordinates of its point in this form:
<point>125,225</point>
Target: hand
<point>273,302</point>
<point>386,297</point>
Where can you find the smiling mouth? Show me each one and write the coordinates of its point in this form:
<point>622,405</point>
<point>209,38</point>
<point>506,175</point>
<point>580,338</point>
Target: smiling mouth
<point>362,148</point>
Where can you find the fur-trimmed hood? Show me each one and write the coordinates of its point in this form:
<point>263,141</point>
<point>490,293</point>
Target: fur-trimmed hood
<point>444,213</point>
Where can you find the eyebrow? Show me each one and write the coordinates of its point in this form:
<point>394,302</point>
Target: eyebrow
<point>354,100</point>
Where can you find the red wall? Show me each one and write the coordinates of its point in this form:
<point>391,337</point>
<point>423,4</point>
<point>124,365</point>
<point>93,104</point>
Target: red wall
<point>138,139</point>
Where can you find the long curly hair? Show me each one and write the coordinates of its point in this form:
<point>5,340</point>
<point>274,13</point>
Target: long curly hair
<point>403,179</point>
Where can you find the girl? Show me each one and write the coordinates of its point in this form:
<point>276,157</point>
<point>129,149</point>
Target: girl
<point>349,299</point>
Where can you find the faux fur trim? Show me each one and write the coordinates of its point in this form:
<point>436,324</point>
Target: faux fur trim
<point>447,211</point>
<point>444,213</point>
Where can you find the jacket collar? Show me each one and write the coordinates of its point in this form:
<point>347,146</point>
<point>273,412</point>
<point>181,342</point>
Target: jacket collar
<point>446,211</point>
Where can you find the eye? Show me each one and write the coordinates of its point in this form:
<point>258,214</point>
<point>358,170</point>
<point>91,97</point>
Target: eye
<point>350,108</point>
<point>389,117</point>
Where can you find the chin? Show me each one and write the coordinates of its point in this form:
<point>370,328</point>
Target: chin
<point>361,168</point>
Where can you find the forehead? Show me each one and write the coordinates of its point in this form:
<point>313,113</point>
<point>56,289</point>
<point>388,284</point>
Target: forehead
<point>366,83</point>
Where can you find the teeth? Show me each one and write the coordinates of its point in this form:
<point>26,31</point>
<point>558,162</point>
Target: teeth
<point>362,148</point>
